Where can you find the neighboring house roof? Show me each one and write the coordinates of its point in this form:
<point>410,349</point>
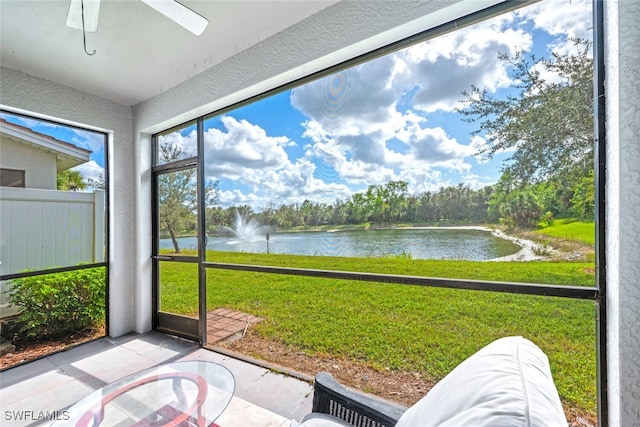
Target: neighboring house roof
<point>67,155</point>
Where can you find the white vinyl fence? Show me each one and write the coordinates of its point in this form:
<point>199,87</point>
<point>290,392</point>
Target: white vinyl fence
<point>42,229</point>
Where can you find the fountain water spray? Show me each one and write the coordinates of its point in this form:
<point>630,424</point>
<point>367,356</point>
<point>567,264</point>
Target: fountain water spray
<point>248,230</point>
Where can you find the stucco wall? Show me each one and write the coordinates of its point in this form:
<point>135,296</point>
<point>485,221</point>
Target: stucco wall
<point>38,165</point>
<point>623,209</point>
<point>46,99</point>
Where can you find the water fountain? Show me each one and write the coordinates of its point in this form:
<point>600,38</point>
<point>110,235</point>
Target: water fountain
<point>248,230</point>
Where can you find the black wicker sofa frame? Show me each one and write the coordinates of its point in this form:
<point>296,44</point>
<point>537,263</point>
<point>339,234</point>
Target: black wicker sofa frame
<point>356,408</point>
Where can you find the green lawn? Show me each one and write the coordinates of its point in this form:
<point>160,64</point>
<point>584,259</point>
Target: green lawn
<point>571,229</point>
<point>401,327</point>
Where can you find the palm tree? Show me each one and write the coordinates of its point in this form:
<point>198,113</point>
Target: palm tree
<point>70,180</point>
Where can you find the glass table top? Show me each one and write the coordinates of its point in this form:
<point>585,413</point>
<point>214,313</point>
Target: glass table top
<point>180,394</point>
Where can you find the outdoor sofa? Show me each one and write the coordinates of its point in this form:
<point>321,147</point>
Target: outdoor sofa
<point>506,383</point>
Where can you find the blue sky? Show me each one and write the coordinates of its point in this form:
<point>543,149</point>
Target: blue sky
<point>389,119</point>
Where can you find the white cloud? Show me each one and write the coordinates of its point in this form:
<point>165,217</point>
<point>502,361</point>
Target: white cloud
<point>236,197</point>
<point>244,153</point>
<point>357,160</point>
<point>363,161</point>
<point>570,18</point>
<point>90,169</point>
<point>476,182</point>
<point>358,101</point>
<point>434,146</point>
<point>478,144</point>
<point>421,181</point>
<point>187,143</point>
<point>242,150</point>
<point>296,182</point>
<point>90,140</point>
<point>444,67</point>
<point>369,123</point>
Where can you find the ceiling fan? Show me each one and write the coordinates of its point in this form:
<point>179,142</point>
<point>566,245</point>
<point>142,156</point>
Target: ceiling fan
<point>83,15</point>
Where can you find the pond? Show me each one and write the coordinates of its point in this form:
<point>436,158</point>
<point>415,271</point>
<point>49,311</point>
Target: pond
<point>428,243</point>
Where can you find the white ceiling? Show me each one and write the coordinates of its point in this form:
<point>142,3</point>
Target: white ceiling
<point>139,52</point>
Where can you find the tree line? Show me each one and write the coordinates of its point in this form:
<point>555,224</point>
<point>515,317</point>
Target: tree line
<point>391,203</point>
<point>379,204</point>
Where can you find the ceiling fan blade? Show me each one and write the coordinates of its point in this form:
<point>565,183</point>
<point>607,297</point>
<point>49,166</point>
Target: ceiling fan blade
<point>180,14</point>
<point>91,14</point>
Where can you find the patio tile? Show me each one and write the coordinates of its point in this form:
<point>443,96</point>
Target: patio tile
<point>223,323</point>
<point>203,354</point>
<point>80,352</point>
<point>279,393</point>
<point>284,395</point>
<point>58,381</point>
<point>43,384</point>
<point>25,372</point>
<point>241,413</point>
<point>239,316</point>
<point>47,393</point>
<point>221,335</point>
<point>157,347</point>
<point>245,374</point>
<point>304,407</point>
<point>113,364</point>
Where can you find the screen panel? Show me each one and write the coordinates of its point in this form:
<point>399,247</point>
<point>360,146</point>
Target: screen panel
<point>416,155</point>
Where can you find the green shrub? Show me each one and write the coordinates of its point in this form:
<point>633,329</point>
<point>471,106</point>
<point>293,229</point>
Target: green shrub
<point>55,305</point>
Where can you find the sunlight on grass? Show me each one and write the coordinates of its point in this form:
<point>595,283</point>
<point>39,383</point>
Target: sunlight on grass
<point>571,229</point>
<point>410,328</point>
<point>556,273</point>
<point>178,288</point>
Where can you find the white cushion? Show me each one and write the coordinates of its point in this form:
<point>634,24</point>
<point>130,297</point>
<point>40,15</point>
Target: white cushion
<point>507,383</point>
<point>316,419</point>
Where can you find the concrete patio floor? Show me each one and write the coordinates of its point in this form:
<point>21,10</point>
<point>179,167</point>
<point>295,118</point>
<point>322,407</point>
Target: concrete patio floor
<point>55,382</point>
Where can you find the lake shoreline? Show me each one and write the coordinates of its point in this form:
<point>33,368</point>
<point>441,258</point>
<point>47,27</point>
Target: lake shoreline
<point>530,250</point>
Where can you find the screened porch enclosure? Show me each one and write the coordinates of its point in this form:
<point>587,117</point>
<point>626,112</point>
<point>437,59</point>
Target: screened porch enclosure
<point>310,210</point>
<point>580,311</point>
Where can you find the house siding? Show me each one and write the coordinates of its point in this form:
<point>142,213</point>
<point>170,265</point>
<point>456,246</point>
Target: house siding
<point>39,166</point>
